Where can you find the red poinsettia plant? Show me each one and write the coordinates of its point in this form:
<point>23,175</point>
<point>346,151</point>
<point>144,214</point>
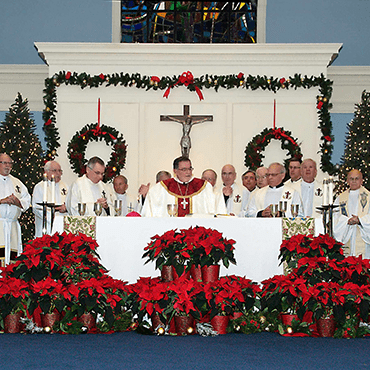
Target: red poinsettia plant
<point>300,246</point>
<point>231,294</point>
<point>14,295</point>
<point>149,296</point>
<point>186,247</point>
<point>62,272</point>
<point>285,294</point>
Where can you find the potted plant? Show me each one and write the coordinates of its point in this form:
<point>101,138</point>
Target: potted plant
<point>169,251</point>
<point>300,246</point>
<point>14,295</point>
<point>182,293</point>
<point>209,248</point>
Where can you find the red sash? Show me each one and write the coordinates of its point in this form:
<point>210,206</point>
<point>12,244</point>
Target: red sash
<point>184,193</point>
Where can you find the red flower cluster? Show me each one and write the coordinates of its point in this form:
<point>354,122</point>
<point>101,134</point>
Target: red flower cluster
<point>196,245</point>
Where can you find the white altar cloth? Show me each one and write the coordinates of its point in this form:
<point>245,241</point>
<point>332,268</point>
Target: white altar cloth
<point>122,241</point>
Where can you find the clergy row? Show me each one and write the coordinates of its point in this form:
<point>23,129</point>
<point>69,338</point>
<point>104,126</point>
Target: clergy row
<point>190,195</point>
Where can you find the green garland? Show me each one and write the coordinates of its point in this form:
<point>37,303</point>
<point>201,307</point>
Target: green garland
<point>77,147</point>
<point>253,152</point>
<point>196,85</point>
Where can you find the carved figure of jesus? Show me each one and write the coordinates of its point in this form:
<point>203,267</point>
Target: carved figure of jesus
<point>187,124</point>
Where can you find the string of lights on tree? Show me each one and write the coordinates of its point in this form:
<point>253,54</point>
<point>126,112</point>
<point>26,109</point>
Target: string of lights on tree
<point>193,84</point>
<point>357,145</point>
<point>19,140</point>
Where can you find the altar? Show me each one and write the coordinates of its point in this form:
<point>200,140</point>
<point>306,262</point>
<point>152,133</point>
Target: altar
<point>122,241</point>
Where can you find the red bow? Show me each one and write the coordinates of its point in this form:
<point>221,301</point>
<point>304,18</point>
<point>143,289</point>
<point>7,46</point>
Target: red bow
<point>186,79</point>
<point>98,132</point>
<point>278,133</point>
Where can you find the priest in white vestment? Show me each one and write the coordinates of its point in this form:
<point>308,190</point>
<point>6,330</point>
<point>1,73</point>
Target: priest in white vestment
<point>211,176</point>
<point>294,169</point>
<point>249,180</point>
<point>352,220</point>
<point>273,194</point>
<point>90,189</point>
<point>51,168</point>
<point>128,203</point>
<point>14,200</point>
<point>232,192</point>
<point>310,190</point>
<point>191,195</point>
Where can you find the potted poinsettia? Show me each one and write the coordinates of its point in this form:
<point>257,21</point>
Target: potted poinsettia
<point>149,296</point>
<point>300,246</point>
<point>286,294</point>
<point>14,295</point>
<point>182,293</point>
<point>169,250</point>
<point>196,246</point>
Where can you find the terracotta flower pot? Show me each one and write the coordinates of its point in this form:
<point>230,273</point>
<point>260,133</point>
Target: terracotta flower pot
<point>12,323</point>
<point>220,323</point>
<point>166,273</point>
<point>287,318</point>
<point>183,323</point>
<point>88,319</point>
<point>326,327</point>
<point>49,319</point>
<point>196,272</point>
<point>210,273</point>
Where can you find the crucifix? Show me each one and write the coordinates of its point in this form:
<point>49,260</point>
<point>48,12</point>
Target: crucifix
<point>187,122</point>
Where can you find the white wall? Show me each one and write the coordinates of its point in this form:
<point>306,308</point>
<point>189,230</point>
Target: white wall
<point>239,114</point>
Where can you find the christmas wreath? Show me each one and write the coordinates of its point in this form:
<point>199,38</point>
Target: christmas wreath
<point>253,151</point>
<point>77,147</point>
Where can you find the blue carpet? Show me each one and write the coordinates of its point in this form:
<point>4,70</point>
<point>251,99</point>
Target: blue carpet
<point>131,350</point>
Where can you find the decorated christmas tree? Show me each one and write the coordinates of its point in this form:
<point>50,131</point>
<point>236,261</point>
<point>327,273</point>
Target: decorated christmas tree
<point>19,140</point>
<point>357,150</point>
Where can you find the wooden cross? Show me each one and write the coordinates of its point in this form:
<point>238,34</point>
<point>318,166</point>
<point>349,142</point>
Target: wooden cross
<point>187,122</point>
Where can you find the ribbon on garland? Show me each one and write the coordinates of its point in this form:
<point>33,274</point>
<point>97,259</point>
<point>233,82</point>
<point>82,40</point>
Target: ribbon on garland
<point>186,79</point>
<point>278,133</point>
<point>98,132</point>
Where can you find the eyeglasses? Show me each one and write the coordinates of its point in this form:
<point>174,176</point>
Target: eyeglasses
<point>273,174</point>
<point>228,173</point>
<point>185,169</point>
<point>261,177</point>
<point>60,171</point>
<point>96,172</point>
<point>7,163</point>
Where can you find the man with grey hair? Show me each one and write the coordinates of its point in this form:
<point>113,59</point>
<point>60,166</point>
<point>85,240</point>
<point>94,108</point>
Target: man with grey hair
<point>120,185</point>
<point>310,190</point>
<point>273,194</point>
<point>14,200</point>
<point>261,177</point>
<point>51,168</point>
<point>90,189</point>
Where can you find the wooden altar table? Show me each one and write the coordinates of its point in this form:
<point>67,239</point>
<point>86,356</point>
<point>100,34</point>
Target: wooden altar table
<point>122,241</point>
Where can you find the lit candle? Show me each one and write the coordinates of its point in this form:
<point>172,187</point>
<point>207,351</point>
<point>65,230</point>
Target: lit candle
<point>331,190</point>
<point>325,193</point>
<point>52,189</point>
<point>45,187</point>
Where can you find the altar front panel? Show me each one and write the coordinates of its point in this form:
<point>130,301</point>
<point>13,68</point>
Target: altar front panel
<point>122,241</point>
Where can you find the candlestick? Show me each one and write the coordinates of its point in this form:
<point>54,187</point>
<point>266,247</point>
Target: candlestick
<point>325,201</point>
<point>45,187</point>
<point>52,189</point>
<point>330,190</point>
